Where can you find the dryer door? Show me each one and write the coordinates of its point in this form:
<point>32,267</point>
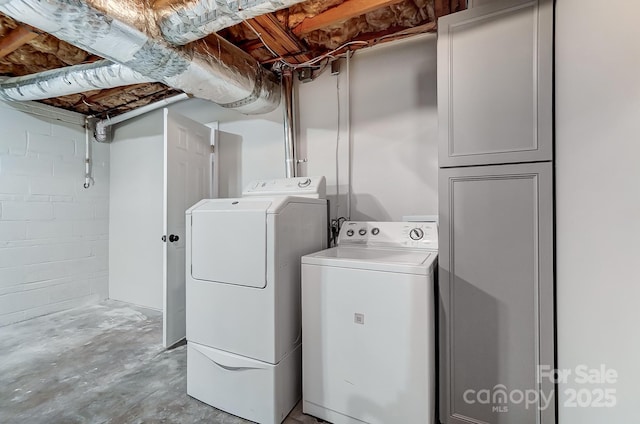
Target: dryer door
<point>229,242</point>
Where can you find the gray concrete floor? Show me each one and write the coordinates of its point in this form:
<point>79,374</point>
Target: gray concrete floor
<point>99,364</point>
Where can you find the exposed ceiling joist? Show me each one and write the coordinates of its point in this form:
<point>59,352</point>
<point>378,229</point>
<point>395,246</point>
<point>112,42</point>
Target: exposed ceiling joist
<point>297,34</point>
<point>18,37</point>
<point>111,92</point>
<point>347,10</point>
<point>384,36</point>
<point>392,34</point>
<point>445,7</point>
<point>281,41</point>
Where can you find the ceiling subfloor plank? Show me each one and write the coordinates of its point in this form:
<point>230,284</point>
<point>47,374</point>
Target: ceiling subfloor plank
<point>443,7</point>
<point>384,36</point>
<point>344,11</point>
<point>392,34</point>
<point>278,39</point>
<point>270,23</point>
<point>17,38</point>
<point>112,92</point>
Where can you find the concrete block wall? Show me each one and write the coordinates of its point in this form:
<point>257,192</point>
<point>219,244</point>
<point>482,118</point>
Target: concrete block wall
<point>53,232</point>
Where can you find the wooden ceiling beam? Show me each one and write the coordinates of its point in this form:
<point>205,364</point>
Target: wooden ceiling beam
<point>112,92</point>
<point>442,7</point>
<point>384,36</point>
<point>344,11</point>
<point>251,45</point>
<point>276,36</point>
<point>391,34</point>
<point>17,38</point>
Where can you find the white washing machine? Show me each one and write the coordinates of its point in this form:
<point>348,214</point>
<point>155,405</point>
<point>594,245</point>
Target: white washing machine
<point>368,314</point>
<point>243,295</point>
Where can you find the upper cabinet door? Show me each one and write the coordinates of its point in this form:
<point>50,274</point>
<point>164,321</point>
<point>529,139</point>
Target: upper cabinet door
<point>495,84</point>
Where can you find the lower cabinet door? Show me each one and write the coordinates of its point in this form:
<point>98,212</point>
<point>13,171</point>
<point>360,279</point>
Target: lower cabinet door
<point>496,294</point>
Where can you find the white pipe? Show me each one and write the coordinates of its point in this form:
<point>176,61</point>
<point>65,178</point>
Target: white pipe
<point>100,132</point>
<point>88,179</point>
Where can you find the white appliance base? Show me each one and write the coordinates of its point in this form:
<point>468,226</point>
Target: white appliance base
<point>253,390</point>
<point>328,415</point>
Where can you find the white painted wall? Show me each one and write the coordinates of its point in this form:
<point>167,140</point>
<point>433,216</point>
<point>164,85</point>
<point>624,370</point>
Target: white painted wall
<point>598,201</point>
<point>394,153</point>
<point>262,136</point>
<point>394,161</point>
<point>53,232</point>
<point>135,230</point>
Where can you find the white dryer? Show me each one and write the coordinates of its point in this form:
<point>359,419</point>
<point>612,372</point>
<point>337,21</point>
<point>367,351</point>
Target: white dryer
<point>368,314</point>
<point>243,295</point>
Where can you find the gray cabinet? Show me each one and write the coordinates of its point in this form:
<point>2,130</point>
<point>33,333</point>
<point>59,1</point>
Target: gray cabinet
<point>496,293</point>
<point>495,70</point>
<point>496,284</point>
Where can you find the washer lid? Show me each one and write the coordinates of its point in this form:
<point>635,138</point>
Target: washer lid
<point>407,261</point>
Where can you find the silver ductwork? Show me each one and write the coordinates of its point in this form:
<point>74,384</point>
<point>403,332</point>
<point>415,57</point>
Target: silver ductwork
<point>216,71</point>
<point>70,80</point>
<point>188,20</point>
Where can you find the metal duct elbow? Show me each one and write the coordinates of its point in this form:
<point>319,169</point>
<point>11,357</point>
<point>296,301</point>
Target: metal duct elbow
<point>185,21</point>
<point>101,131</point>
<point>70,80</point>
<point>221,73</point>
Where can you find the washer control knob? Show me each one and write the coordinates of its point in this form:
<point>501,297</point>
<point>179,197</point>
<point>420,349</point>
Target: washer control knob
<point>375,231</point>
<point>416,234</point>
<point>349,233</point>
<point>362,231</point>
<point>304,183</point>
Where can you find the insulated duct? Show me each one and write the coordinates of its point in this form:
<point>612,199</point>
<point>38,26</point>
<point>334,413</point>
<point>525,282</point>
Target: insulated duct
<point>217,71</point>
<point>184,21</point>
<point>70,80</point>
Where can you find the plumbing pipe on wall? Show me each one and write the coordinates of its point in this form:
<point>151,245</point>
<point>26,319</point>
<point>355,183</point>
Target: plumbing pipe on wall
<point>290,142</point>
<point>101,132</point>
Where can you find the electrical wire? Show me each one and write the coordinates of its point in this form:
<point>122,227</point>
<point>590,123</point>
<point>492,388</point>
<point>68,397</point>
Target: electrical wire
<point>338,146</point>
<point>276,55</point>
<point>349,141</point>
<point>308,62</point>
<point>336,224</point>
<point>330,54</point>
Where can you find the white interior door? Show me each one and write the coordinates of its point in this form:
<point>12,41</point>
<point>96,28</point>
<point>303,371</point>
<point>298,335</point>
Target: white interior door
<point>187,179</point>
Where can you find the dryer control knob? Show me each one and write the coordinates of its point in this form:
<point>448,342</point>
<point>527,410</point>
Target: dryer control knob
<point>375,231</point>
<point>416,234</point>
<point>304,183</point>
<point>362,231</point>
<point>349,233</point>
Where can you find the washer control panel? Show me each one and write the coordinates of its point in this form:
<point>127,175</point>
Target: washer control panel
<point>421,235</point>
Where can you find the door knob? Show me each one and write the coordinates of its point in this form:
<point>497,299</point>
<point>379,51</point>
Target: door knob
<point>173,237</point>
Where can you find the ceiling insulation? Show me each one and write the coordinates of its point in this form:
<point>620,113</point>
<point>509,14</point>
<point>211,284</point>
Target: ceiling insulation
<point>26,50</point>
